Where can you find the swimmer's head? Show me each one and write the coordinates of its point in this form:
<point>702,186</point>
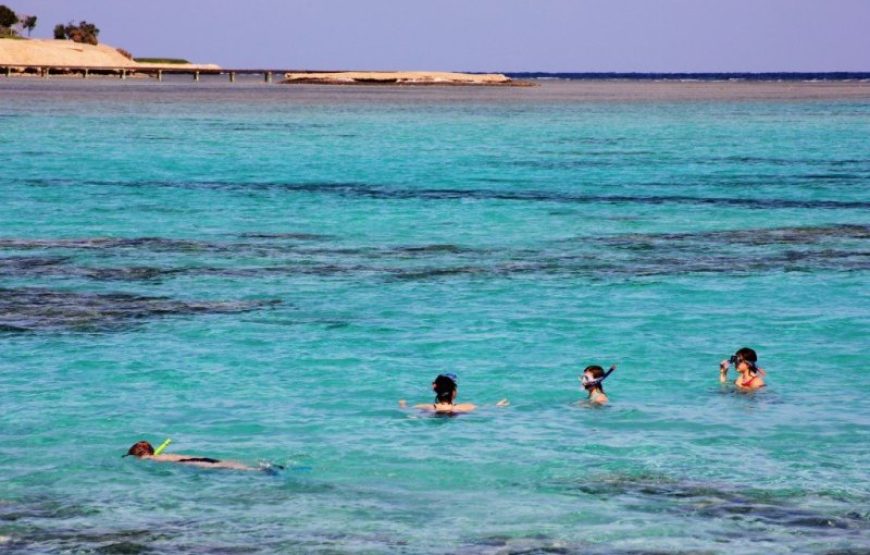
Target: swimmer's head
<point>140,449</point>
<point>592,378</point>
<point>444,387</point>
<point>745,359</point>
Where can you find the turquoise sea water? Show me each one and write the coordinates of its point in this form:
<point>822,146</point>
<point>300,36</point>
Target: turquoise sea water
<point>260,273</point>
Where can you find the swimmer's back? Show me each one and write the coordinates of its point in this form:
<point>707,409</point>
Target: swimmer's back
<point>447,408</point>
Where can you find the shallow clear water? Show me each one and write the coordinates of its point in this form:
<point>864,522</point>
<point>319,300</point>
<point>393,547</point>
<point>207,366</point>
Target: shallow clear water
<point>260,273</point>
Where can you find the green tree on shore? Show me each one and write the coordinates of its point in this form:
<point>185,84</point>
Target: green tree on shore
<point>7,16</point>
<point>29,23</point>
<point>84,32</point>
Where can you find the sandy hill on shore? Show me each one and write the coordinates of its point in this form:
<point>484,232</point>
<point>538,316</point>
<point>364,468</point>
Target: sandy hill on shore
<point>66,53</point>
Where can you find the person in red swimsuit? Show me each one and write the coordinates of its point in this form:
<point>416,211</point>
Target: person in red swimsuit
<point>745,361</point>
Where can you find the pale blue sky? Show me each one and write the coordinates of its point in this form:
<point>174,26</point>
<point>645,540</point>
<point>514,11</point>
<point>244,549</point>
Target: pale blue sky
<point>483,35</point>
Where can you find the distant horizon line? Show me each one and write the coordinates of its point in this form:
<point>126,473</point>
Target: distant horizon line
<point>749,75</point>
<point>686,72</point>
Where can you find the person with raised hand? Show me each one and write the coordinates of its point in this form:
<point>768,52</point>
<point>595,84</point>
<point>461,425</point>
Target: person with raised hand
<point>749,376</point>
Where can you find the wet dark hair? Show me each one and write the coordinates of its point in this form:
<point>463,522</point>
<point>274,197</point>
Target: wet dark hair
<point>444,388</point>
<point>749,356</point>
<point>140,449</point>
<point>597,372</point>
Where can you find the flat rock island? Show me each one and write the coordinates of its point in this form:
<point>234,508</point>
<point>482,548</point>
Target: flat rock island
<point>415,78</point>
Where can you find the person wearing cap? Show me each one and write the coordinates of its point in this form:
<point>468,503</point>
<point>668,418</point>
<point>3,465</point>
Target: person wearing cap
<point>592,379</point>
<point>144,450</point>
<point>445,387</point>
<point>750,376</point>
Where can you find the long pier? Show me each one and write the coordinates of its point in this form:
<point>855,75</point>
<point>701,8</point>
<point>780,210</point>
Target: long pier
<point>123,72</point>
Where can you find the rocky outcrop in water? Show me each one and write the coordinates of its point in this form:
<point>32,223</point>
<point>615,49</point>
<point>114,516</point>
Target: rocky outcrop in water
<point>34,309</point>
<point>403,78</point>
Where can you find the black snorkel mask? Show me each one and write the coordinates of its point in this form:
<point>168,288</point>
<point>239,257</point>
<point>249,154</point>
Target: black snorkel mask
<point>735,360</point>
<point>588,384</point>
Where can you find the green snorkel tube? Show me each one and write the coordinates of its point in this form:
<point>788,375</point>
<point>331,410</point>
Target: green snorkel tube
<point>162,447</point>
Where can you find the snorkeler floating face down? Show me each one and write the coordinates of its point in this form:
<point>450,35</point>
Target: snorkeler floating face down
<point>144,450</point>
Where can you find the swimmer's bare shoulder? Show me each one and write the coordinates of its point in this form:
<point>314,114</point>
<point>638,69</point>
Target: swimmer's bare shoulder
<point>444,408</point>
<point>758,384</point>
<point>441,408</point>
<point>461,407</point>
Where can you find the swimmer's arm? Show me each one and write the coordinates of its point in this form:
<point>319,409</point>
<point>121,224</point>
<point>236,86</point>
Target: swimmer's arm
<point>462,407</point>
<point>723,371</point>
<point>503,403</point>
<point>403,404</point>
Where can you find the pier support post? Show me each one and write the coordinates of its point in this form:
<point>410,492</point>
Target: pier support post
<point>160,75</point>
<point>232,77</point>
<point>45,72</point>
<point>268,77</point>
<point>196,76</point>
<point>85,73</point>
<point>8,71</point>
<point>123,74</point>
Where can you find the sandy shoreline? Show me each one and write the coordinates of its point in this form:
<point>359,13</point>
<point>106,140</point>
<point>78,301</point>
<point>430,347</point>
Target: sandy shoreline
<point>66,53</point>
